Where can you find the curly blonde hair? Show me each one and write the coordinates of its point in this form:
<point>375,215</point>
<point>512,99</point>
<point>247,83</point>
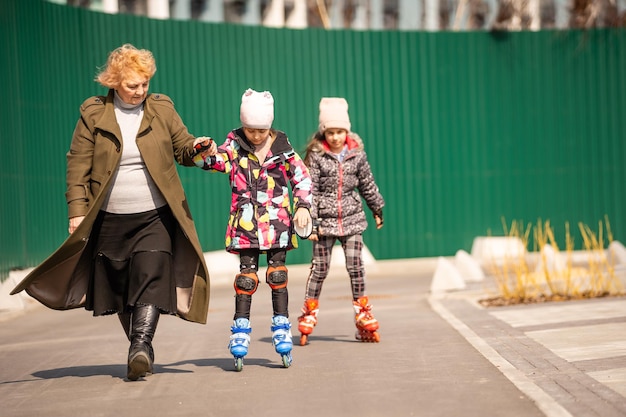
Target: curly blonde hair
<point>125,61</point>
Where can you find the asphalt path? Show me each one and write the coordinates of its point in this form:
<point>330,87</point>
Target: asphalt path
<point>72,364</point>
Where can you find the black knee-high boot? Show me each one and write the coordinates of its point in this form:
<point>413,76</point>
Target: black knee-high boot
<point>141,355</point>
<point>125,320</point>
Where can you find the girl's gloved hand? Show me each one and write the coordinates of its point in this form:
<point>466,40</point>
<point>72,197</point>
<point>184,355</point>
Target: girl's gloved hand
<point>205,147</point>
<point>205,144</point>
<point>302,217</point>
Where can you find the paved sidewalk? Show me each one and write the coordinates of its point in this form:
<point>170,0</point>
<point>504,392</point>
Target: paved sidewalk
<point>569,357</point>
<point>440,355</point>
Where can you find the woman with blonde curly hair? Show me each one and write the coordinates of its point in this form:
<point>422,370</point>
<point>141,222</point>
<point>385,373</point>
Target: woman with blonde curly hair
<point>133,249</point>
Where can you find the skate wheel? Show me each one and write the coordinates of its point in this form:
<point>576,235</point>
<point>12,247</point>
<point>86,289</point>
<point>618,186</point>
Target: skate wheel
<point>304,339</point>
<point>287,360</point>
<point>367,337</point>
<point>238,364</point>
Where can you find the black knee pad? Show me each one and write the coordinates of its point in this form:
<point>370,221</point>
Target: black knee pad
<point>276,277</point>
<point>246,283</point>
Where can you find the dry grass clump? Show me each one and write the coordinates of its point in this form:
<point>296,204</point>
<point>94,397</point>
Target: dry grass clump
<point>548,275</point>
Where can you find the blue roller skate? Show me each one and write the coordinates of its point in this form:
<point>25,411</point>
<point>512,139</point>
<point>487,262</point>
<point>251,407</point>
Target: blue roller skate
<point>281,338</point>
<point>239,341</point>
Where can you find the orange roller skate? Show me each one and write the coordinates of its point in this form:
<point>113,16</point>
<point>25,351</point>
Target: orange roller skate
<point>366,324</point>
<point>308,319</point>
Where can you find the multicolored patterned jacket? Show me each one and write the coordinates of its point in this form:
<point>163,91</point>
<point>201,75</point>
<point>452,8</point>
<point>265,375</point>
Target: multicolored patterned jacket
<point>261,209</point>
<point>337,208</point>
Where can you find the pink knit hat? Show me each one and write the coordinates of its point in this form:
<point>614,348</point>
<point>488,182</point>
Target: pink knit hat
<point>334,114</point>
<point>257,109</point>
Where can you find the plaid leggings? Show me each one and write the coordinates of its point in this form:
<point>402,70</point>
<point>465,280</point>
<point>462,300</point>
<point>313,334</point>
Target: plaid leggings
<point>322,251</point>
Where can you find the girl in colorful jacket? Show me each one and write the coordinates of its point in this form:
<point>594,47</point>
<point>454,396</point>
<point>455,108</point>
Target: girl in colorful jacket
<point>341,175</point>
<point>262,165</point>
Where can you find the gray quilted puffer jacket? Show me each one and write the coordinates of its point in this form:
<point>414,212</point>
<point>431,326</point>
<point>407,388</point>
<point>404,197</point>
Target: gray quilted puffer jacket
<point>338,187</point>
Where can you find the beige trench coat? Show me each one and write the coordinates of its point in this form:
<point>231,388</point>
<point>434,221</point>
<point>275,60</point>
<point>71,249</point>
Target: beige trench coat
<point>60,282</point>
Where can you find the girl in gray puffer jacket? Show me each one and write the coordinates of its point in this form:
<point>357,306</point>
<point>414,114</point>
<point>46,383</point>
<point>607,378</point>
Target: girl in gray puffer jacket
<point>341,176</point>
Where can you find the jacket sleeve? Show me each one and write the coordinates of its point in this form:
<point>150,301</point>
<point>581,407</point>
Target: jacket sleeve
<point>368,188</point>
<point>314,172</point>
<point>78,173</point>
<point>182,140</point>
<point>300,182</point>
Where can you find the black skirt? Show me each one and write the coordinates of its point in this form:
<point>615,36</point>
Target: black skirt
<point>132,262</point>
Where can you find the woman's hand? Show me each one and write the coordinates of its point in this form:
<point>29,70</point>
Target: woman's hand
<point>205,146</point>
<point>74,222</point>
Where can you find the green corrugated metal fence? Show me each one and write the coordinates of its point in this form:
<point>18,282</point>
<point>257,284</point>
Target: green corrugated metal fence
<point>462,129</point>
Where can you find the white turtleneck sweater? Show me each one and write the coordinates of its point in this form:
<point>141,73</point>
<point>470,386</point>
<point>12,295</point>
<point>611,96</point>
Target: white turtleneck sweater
<point>133,189</point>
